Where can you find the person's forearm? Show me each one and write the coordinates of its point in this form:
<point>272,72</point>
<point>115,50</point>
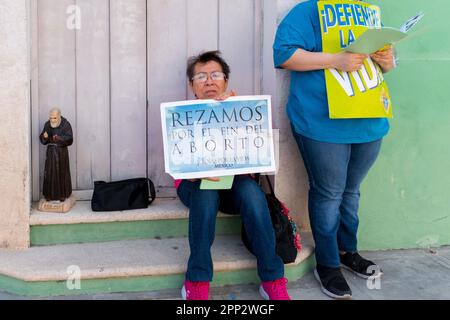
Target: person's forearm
<point>303,60</point>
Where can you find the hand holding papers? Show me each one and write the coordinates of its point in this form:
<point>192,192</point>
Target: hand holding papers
<point>376,39</point>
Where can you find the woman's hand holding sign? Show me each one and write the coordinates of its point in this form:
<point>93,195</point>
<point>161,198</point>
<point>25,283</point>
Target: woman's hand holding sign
<point>225,95</point>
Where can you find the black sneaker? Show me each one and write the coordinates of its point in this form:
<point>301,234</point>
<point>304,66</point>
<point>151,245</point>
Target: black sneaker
<point>361,267</point>
<point>332,282</point>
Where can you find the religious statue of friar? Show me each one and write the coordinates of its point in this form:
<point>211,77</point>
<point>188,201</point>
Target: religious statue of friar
<point>57,136</point>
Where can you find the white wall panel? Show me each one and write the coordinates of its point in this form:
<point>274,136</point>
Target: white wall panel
<point>237,42</point>
<point>202,28</point>
<point>93,104</point>
<point>128,88</point>
<point>57,84</point>
<point>167,52</point>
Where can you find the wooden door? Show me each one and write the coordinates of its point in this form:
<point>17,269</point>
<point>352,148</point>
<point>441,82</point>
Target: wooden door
<point>104,62</point>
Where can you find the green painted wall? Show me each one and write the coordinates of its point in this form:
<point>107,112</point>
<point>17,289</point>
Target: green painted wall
<point>406,198</point>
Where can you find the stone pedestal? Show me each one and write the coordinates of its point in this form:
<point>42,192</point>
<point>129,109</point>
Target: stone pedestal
<point>57,206</point>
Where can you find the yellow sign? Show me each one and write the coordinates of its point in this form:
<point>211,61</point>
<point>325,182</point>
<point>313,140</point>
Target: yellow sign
<point>357,94</point>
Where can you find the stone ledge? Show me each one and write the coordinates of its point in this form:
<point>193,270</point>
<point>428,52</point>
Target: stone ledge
<point>161,209</point>
<point>121,259</point>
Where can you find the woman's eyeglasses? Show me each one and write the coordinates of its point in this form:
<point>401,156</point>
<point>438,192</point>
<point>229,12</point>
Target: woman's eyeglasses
<point>203,76</point>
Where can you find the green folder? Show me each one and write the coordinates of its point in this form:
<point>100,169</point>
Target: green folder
<point>225,183</point>
<point>375,39</point>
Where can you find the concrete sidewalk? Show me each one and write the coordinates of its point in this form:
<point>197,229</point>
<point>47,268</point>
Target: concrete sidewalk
<point>408,274</point>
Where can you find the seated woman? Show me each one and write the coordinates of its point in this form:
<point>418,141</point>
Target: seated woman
<point>208,78</point>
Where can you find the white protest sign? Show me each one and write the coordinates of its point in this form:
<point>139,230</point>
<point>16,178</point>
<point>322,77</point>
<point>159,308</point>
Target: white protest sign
<point>208,138</point>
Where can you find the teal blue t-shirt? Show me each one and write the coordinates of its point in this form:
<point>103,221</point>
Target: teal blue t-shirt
<point>307,106</point>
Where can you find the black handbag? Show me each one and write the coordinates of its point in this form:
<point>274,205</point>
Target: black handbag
<point>129,194</point>
<point>288,241</point>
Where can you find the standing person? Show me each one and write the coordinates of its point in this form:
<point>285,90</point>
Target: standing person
<point>57,136</point>
<point>337,153</point>
<point>208,78</point>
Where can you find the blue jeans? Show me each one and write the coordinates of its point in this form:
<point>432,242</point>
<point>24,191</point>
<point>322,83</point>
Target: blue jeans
<point>335,174</point>
<point>245,198</point>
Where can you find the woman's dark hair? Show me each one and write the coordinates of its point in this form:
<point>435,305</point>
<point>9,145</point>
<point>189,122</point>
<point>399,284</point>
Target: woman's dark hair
<point>206,57</point>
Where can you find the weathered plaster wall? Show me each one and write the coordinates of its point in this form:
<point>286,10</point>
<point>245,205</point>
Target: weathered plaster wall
<point>14,131</point>
<point>291,179</point>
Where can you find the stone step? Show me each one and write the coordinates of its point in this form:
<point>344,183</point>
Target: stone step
<point>165,218</point>
<point>129,266</point>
